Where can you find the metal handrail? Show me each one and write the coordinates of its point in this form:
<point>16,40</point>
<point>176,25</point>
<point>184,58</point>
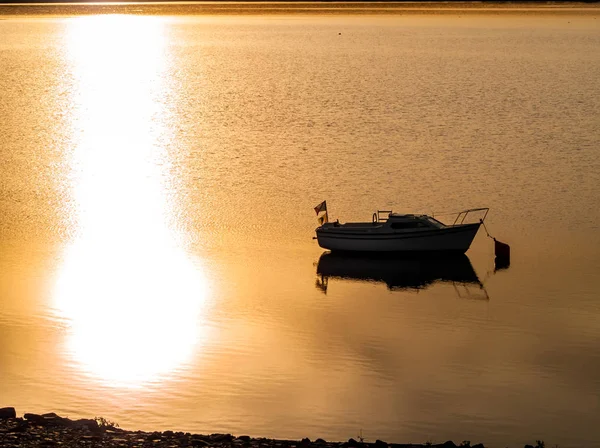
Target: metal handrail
<point>464,214</point>
<point>460,216</point>
<point>380,219</point>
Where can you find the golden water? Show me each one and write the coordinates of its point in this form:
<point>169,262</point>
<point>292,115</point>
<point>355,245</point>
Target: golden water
<point>158,175</point>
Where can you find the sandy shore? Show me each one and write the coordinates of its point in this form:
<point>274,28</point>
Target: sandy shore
<point>51,430</point>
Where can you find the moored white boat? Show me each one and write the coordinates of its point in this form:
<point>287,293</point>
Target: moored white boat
<point>394,232</point>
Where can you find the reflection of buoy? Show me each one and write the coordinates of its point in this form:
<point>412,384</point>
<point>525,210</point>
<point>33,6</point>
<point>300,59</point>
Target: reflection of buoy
<point>502,252</point>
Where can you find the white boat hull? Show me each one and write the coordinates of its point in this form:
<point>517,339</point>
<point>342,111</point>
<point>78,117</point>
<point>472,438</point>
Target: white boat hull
<point>448,239</point>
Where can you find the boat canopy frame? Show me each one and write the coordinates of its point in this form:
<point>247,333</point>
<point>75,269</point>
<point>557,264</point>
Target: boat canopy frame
<point>461,216</point>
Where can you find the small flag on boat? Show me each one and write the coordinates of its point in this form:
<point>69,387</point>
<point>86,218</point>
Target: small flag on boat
<point>322,207</point>
<point>323,218</point>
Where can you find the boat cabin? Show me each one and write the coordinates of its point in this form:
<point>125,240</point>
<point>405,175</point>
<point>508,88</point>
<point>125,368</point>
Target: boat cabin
<point>387,220</point>
<point>400,222</point>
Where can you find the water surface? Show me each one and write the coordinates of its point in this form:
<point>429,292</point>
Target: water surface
<point>157,265</point>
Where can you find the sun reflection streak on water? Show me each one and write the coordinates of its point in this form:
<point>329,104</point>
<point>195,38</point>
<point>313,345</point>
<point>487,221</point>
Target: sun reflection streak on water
<point>130,293</point>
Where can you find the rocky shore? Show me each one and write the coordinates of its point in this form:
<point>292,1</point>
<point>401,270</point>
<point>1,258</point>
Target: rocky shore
<point>51,430</point>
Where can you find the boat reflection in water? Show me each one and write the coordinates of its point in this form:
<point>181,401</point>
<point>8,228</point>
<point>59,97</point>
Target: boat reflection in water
<point>401,273</point>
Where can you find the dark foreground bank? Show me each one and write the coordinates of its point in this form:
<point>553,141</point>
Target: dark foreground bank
<point>51,430</point>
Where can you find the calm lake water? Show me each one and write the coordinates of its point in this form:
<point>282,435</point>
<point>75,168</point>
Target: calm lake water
<point>157,178</point>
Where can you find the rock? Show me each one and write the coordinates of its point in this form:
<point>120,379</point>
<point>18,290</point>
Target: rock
<point>50,415</point>
<point>35,419</point>
<point>196,441</point>
<point>449,444</point>
<point>83,423</point>
<point>320,441</point>
<point>479,445</point>
<point>219,438</point>
<point>7,413</point>
<point>528,446</point>
<point>244,438</point>
<point>352,442</point>
<point>305,441</point>
<point>380,444</point>
<point>153,436</point>
<point>52,419</point>
<point>168,433</point>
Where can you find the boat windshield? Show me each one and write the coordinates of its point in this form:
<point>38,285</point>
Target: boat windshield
<point>435,222</point>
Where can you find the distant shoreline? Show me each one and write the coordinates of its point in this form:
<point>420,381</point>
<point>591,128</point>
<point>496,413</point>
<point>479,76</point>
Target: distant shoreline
<point>260,7</point>
<point>406,3</point>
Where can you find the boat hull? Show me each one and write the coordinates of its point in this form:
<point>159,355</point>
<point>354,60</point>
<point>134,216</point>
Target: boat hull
<point>456,239</point>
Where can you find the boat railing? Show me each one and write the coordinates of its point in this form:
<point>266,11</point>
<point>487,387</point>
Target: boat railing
<point>381,215</point>
<point>461,216</point>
